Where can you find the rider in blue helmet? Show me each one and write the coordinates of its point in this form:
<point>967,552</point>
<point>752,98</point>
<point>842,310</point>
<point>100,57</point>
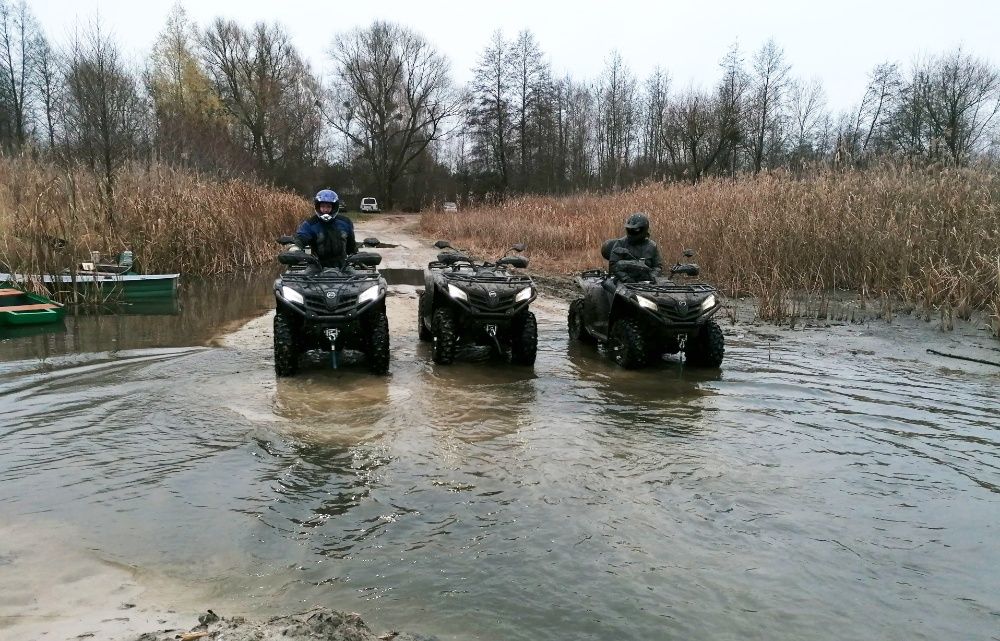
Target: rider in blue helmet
<point>328,233</point>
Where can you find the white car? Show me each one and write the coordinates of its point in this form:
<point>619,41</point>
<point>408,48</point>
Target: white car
<point>369,205</point>
<point>450,208</point>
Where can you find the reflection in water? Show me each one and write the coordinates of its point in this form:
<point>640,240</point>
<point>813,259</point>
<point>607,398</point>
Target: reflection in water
<point>809,495</point>
<point>200,311</point>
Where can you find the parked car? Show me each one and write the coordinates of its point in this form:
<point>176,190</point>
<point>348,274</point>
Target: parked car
<point>450,208</point>
<point>369,205</point>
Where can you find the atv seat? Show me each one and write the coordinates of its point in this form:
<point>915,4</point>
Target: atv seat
<point>450,258</point>
<point>632,271</point>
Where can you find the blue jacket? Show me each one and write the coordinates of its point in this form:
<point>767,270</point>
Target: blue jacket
<point>332,242</point>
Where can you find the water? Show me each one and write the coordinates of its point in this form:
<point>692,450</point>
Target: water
<point>802,492</point>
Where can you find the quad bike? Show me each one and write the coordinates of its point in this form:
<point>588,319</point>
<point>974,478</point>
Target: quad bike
<point>467,302</point>
<point>641,317</point>
<point>330,309</point>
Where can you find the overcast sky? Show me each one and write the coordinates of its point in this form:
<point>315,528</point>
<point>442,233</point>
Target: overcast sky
<point>838,42</point>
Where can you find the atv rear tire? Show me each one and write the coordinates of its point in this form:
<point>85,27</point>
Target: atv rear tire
<point>707,348</point>
<point>628,344</point>
<point>524,339</point>
<point>378,347</point>
<point>423,303</point>
<point>445,336</point>
<point>577,329</point>
<point>286,350</point>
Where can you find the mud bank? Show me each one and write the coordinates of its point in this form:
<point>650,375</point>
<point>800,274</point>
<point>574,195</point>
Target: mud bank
<point>320,624</point>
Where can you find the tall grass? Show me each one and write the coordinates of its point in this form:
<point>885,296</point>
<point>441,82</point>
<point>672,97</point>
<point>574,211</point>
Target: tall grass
<point>928,237</point>
<point>172,220</point>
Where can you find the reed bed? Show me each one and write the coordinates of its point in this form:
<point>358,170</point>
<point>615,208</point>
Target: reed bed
<point>172,220</point>
<point>928,238</point>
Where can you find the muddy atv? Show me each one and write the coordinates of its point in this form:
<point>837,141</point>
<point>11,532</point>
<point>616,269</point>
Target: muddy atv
<point>640,317</point>
<point>474,303</point>
<point>330,310</point>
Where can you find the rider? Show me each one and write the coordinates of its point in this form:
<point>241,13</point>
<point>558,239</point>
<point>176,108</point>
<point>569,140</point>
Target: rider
<point>637,243</point>
<point>327,232</point>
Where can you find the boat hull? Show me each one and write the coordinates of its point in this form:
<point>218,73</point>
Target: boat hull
<point>129,287</point>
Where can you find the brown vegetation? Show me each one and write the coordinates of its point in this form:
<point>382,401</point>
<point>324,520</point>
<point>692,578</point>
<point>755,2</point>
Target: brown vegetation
<point>172,220</point>
<point>930,237</point>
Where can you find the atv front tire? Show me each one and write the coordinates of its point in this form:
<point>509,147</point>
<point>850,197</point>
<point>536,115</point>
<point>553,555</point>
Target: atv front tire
<point>378,348</point>
<point>524,339</point>
<point>577,330</point>
<point>628,344</point>
<point>445,336</point>
<point>286,351</point>
<point>707,348</point>
<point>423,303</point>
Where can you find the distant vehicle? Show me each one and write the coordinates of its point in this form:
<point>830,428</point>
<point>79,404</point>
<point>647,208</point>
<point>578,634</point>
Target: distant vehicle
<point>450,208</point>
<point>369,205</point>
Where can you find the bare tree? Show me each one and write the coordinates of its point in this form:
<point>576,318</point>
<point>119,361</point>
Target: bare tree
<point>105,116</point>
<point>766,113</point>
<point>807,103</point>
<point>960,96</point>
<point>48,87</point>
<point>268,89</point>
<point>398,98</point>
<point>618,117</point>
<point>489,115</point>
<point>873,114</point>
<point>530,88</point>
<point>192,127</point>
<point>654,115</point>
<point>18,34</point>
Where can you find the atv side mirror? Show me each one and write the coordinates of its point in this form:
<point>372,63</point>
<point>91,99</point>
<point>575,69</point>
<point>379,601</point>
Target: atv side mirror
<point>514,261</point>
<point>285,240</point>
<point>688,253</point>
<point>688,269</point>
<point>370,242</point>
<point>442,244</point>
<point>297,258</point>
<point>519,247</point>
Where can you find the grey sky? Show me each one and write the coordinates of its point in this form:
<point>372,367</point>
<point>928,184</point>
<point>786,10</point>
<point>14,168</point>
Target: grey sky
<point>838,42</point>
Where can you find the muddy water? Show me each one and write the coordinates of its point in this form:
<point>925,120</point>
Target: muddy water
<point>806,490</point>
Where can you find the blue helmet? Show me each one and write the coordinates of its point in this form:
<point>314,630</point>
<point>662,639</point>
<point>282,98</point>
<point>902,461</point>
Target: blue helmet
<point>326,196</point>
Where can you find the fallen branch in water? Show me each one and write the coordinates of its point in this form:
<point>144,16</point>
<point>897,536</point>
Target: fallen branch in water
<point>963,358</point>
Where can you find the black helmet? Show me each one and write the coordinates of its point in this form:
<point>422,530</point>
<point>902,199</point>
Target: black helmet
<point>637,226</point>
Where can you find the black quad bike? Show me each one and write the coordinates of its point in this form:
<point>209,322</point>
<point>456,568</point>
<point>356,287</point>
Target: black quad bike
<point>330,309</point>
<point>467,302</point>
<point>640,317</point>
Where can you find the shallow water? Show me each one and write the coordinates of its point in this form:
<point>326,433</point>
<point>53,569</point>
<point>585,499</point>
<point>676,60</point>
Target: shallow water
<point>800,492</point>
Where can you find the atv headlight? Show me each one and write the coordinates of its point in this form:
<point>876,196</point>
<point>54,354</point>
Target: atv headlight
<point>524,294</point>
<point>369,294</point>
<point>291,295</point>
<point>457,293</point>
<point>647,303</point>
<point>708,303</point>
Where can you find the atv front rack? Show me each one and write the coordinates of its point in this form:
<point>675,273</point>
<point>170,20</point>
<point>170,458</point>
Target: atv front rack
<point>477,277</point>
<point>329,276</point>
<point>672,288</point>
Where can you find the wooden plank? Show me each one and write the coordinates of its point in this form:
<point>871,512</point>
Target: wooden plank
<point>10,292</point>
<point>28,308</point>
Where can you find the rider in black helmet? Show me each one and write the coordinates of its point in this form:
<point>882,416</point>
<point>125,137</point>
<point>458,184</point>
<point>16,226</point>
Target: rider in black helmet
<point>636,243</point>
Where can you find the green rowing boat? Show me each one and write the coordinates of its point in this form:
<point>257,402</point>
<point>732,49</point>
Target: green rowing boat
<point>22,308</point>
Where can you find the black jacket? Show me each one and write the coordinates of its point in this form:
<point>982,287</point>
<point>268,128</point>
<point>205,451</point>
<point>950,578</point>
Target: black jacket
<point>644,250</point>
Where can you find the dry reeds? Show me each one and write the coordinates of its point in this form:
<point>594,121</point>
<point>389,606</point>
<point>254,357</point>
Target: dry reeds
<point>928,237</point>
<point>172,220</point>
